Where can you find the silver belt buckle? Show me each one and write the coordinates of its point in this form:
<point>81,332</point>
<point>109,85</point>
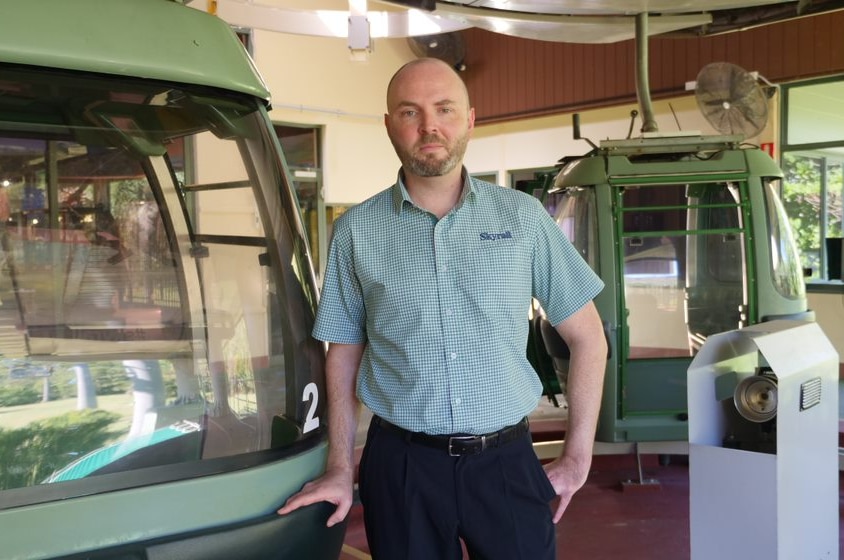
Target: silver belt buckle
<point>451,443</point>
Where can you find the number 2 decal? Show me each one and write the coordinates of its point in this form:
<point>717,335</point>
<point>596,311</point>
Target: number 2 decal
<point>311,393</point>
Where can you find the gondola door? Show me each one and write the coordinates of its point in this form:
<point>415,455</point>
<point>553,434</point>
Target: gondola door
<point>682,255</point>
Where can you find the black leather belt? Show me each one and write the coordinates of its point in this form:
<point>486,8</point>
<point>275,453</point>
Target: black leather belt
<point>457,445</point>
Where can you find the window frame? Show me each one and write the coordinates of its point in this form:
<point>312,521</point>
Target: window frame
<point>822,284</point>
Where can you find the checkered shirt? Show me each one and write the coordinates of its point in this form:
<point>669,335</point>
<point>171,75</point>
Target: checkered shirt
<point>442,305</point>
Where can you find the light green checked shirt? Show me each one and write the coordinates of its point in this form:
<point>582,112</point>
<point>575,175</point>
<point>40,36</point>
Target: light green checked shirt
<point>442,305</point>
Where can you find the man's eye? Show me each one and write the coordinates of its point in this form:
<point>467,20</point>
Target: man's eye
<point>408,113</point>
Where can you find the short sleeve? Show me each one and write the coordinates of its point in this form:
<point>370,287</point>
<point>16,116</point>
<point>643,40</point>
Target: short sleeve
<point>563,282</point>
<point>341,315</point>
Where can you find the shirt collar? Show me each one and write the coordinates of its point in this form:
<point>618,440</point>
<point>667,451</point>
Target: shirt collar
<point>400,194</point>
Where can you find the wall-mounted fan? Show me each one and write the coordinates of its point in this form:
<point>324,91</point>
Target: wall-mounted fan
<point>448,47</point>
<point>731,99</point>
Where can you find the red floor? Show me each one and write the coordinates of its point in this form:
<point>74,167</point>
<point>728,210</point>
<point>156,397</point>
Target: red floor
<point>609,518</point>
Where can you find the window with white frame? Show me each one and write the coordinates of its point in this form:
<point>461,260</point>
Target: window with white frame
<point>813,160</point>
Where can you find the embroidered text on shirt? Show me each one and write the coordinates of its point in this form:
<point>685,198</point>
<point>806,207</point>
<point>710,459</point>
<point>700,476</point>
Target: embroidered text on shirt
<point>495,236</point>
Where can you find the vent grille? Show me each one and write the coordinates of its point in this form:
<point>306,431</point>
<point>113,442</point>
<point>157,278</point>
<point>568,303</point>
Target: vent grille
<point>810,393</point>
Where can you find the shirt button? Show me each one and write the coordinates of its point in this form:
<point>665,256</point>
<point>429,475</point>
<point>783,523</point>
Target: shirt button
<point>458,400</point>
<point>453,355</point>
<point>449,312</point>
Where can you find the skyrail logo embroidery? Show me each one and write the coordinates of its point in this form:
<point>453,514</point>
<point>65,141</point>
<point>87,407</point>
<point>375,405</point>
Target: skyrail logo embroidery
<point>485,236</point>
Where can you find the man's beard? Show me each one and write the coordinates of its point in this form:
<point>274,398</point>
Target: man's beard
<point>429,165</point>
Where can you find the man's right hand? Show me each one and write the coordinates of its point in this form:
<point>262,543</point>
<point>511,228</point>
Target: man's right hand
<point>334,487</point>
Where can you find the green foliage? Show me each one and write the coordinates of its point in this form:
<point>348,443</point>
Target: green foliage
<point>110,378</point>
<point>806,204</point>
<point>19,393</point>
<point>62,384</point>
<point>32,453</point>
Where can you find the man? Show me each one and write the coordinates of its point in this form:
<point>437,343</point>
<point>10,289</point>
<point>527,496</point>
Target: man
<point>425,308</point>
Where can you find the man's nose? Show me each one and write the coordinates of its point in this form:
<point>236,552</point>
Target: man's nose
<point>428,123</point>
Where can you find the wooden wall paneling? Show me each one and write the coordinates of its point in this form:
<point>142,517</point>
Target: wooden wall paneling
<point>558,70</point>
<point>510,78</point>
<point>836,42</point>
<point>658,55</point>
<point>590,59</point>
<point>704,54</point>
<point>491,68</point>
<point>593,72</point>
<point>501,83</point>
<point>611,68</point>
<point>540,54</point>
<point>545,79</point>
<point>576,72</point>
<point>555,75</point>
<point>513,75</point>
<point>567,94</point>
<point>822,46</point>
<point>532,74</point>
<point>761,49</point>
<point>502,75</point>
<point>593,57</point>
<point>587,70</point>
<point>811,34</point>
<point>602,75</point>
<point>675,69</point>
<point>480,59</point>
<point>615,71</point>
<point>772,64</point>
<point>494,70</point>
<point>720,50</point>
<point>627,86</point>
<point>685,64</point>
<point>746,55</point>
<point>473,62</point>
<point>528,75</point>
<point>791,54</point>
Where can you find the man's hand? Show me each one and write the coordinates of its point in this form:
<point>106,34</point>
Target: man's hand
<point>567,476</point>
<point>336,484</point>
<point>334,487</point>
<point>584,334</point>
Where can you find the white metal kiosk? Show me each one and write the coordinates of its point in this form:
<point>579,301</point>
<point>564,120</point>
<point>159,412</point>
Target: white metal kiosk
<point>763,444</point>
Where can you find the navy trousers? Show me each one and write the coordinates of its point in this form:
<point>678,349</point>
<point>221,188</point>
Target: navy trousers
<point>419,502</point>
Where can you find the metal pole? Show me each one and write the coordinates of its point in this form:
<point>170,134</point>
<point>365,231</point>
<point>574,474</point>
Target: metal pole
<point>643,91</point>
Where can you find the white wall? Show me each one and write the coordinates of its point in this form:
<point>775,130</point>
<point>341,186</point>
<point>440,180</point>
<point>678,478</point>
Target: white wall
<point>314,82</point>
<point>829,313</point>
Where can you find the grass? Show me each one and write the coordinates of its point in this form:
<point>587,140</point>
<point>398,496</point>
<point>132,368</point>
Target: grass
<point>12,417</point>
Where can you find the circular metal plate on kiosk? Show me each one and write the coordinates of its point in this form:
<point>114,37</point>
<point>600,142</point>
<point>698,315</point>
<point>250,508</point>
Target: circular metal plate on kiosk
<point>755,398</point>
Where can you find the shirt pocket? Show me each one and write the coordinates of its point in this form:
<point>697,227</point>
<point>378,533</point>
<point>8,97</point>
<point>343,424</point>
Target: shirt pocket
<point>495,271</point>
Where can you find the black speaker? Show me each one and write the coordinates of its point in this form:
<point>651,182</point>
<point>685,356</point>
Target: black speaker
<point>834,260</point>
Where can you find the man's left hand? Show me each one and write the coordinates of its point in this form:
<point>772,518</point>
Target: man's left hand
<point>567,476</point>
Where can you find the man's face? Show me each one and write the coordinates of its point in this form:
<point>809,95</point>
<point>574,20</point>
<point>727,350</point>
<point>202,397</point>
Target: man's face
<point>429,120</point>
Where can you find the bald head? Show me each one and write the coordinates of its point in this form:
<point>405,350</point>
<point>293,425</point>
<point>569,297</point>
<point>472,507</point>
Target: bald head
<point>425,69</point>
